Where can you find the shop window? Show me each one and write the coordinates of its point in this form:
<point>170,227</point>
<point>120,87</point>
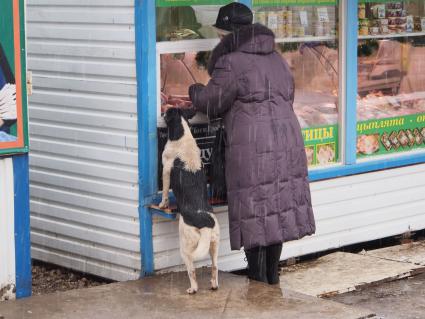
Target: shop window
<point>185,38</point>
<point>306,37</point>
<point>391,77</point>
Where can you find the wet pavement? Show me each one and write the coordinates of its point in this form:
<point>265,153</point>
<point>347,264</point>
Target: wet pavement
<point>401,299</point>
<point>344,272</point>
<point>164,296</point>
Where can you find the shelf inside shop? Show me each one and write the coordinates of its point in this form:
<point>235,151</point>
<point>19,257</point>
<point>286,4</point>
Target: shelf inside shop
<point>193,45</point>
<point>392,35</point>
<point>306,39</point>
<point>209,44</point>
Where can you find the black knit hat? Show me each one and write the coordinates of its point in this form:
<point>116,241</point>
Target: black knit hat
<point>233,16</point>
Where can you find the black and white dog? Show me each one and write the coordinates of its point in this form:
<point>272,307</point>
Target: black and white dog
<point>182,170</point>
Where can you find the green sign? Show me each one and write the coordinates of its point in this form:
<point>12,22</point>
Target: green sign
<point>390,135</point>
<point>179,3</point>
<point>321,144</point>
<point>294,2</point>
<point>376,1</point>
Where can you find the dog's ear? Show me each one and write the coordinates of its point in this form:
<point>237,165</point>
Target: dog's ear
<point>188,113</point>
<point>171,114</point>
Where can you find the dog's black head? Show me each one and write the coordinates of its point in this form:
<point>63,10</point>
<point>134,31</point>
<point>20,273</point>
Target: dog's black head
<point>173,119</point>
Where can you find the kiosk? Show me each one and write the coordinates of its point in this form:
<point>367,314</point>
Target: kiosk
<point>103,77</point>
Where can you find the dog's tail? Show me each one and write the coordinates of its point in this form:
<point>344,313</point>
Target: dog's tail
<point>203,244</point>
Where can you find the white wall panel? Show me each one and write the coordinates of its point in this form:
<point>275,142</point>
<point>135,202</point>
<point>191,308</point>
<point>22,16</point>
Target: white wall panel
<point>83,135</point>
<point>7,230</point>
<point>348,210</point>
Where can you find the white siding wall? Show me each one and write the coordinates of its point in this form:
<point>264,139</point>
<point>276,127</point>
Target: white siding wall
<point>348,210</point>
<point>7,230</point>
<point>83,128</point>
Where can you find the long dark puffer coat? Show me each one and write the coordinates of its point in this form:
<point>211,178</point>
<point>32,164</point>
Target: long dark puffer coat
<point>252,88</point>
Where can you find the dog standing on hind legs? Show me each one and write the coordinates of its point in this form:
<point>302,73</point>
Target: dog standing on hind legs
<point>199,230</point>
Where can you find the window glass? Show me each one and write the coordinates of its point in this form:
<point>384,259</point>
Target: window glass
<point>186,22</point>
<point>391,77</point>
<point>306,38</point>
<point>177,72</point>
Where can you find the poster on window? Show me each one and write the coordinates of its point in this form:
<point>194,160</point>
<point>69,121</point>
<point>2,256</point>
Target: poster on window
<point>13,115</point>
<point>321,144</point>
<point>391,135</point>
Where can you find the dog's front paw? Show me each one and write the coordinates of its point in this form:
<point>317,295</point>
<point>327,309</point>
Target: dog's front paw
<point>191,291</point>
<point>164,203</point>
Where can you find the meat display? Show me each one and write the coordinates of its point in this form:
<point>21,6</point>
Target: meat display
<point>376,105</point>
<point>180,101</point>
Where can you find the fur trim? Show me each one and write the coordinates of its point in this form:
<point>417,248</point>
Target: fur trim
<point>235,40</point>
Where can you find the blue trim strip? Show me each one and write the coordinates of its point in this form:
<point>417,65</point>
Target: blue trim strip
<point>22,226</point>
<point>145,27</point>
<point>351,82</point>
<point>364,167</point>
<point>171,216</point>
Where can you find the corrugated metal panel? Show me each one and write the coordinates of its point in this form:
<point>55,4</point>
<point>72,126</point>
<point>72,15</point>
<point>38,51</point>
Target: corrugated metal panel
<point>7,230</point>
<point>83,128</point>
<point>348,210</point>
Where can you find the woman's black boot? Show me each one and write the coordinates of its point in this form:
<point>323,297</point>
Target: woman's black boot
<point>272,261</point>
<point>257,265</point>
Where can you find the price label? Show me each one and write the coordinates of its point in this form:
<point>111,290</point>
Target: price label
<point>304,18</point>
<point>322,14</point>
<point>273,21</point>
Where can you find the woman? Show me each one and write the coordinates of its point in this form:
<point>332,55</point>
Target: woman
<point>252,88</point>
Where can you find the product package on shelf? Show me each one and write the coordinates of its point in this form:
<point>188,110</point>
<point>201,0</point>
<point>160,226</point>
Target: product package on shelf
<point>417,25</point>
<point>276,19</point>
<point>378,11</point>
<point>273,21</point>
<point>302,21</point>
<point>377,18</point>
<point>298,21</point>
<point>324,24</point>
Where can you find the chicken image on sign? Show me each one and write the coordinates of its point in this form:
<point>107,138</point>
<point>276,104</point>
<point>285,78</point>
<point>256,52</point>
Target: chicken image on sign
<point>13,122</point>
